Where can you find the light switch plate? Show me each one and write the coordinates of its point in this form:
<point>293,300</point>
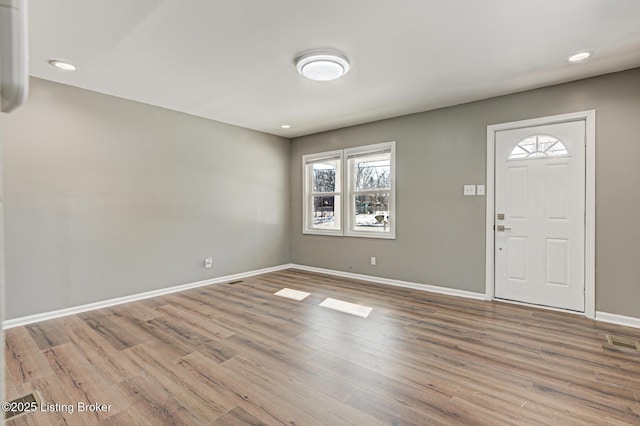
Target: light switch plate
<point>469,190</point>
<point>479,189</point>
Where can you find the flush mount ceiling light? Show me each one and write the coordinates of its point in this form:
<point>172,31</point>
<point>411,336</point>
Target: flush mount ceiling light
<point>580,56</point>
<point>322,65</point>
<point>62,65</point>
<point>285,126</point>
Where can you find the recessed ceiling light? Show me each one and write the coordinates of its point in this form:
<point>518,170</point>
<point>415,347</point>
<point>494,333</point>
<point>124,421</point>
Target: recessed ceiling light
<point>322,65</point>
<point>580,56</point>
<point>62,65</point>
<point>285,126</point>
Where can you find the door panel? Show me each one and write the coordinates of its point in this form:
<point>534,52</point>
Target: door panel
<point>540,193</point>
<point>557,261</point>
<point>518,188</point>
<point>558,191</point>
<point>517,255</point>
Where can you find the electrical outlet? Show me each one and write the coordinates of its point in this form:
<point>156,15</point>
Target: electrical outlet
<point>373,260</point>
<point>479,189</point>
<point>208,262</point>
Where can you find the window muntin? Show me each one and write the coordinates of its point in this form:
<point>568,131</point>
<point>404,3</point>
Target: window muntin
<point>323,188</point>
<point>538,146</point>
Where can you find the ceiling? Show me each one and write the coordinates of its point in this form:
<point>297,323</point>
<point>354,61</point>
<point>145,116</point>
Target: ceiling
<point>233,61</point>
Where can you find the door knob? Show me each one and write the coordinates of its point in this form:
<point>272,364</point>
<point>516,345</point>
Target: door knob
<point>502,228</point>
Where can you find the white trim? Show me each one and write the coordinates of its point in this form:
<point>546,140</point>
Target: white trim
<point>396,283</point>
<point>618,319</point>
<point>30,319</point>
<point>590,219</point>
<point>590,205</point>
<point>490,200</point>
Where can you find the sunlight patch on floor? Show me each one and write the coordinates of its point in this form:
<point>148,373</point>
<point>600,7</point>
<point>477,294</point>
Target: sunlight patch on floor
<point>292,294</point>
<point>346,307</point>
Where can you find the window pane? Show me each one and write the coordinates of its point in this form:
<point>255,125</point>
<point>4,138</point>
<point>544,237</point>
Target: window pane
<point>324,176</point>
<point>518,153</point>
<point>545,142</point>
<point>371,173</point>
<point>528,145</point>
<point>557,149</point>
<point>326,212</point>
<point>372,212</point>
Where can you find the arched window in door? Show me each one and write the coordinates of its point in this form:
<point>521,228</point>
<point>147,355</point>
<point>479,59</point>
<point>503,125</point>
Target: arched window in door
<point>538,146</point>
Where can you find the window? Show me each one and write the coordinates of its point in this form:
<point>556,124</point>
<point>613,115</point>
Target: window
<point>538,146</point>
<point>322,193</point>
<point>369,192</point>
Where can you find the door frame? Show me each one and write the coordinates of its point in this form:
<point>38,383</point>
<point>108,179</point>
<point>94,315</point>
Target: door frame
<point>589,117</point>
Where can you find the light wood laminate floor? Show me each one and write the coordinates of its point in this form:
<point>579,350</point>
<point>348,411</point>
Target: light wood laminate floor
<point>236,354</point>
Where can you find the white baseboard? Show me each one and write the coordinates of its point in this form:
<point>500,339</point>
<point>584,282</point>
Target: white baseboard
<point>397,283</point>
<point>30,319</point>
<point>600,316</point>
<point>618,319</point>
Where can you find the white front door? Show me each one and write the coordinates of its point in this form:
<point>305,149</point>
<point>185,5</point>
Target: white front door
<point>540,215</point>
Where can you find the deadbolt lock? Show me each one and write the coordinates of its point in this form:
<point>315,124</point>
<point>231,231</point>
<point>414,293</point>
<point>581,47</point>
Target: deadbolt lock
<point>500,216</point>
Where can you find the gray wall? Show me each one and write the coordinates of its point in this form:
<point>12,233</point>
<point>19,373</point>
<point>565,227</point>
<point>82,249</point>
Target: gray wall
<point>441,234</point>
<point>106,197</point>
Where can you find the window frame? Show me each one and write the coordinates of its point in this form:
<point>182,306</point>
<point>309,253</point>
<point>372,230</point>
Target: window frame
<point>345,209</point>
<point>350,191</point>
<point>308,194</point>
